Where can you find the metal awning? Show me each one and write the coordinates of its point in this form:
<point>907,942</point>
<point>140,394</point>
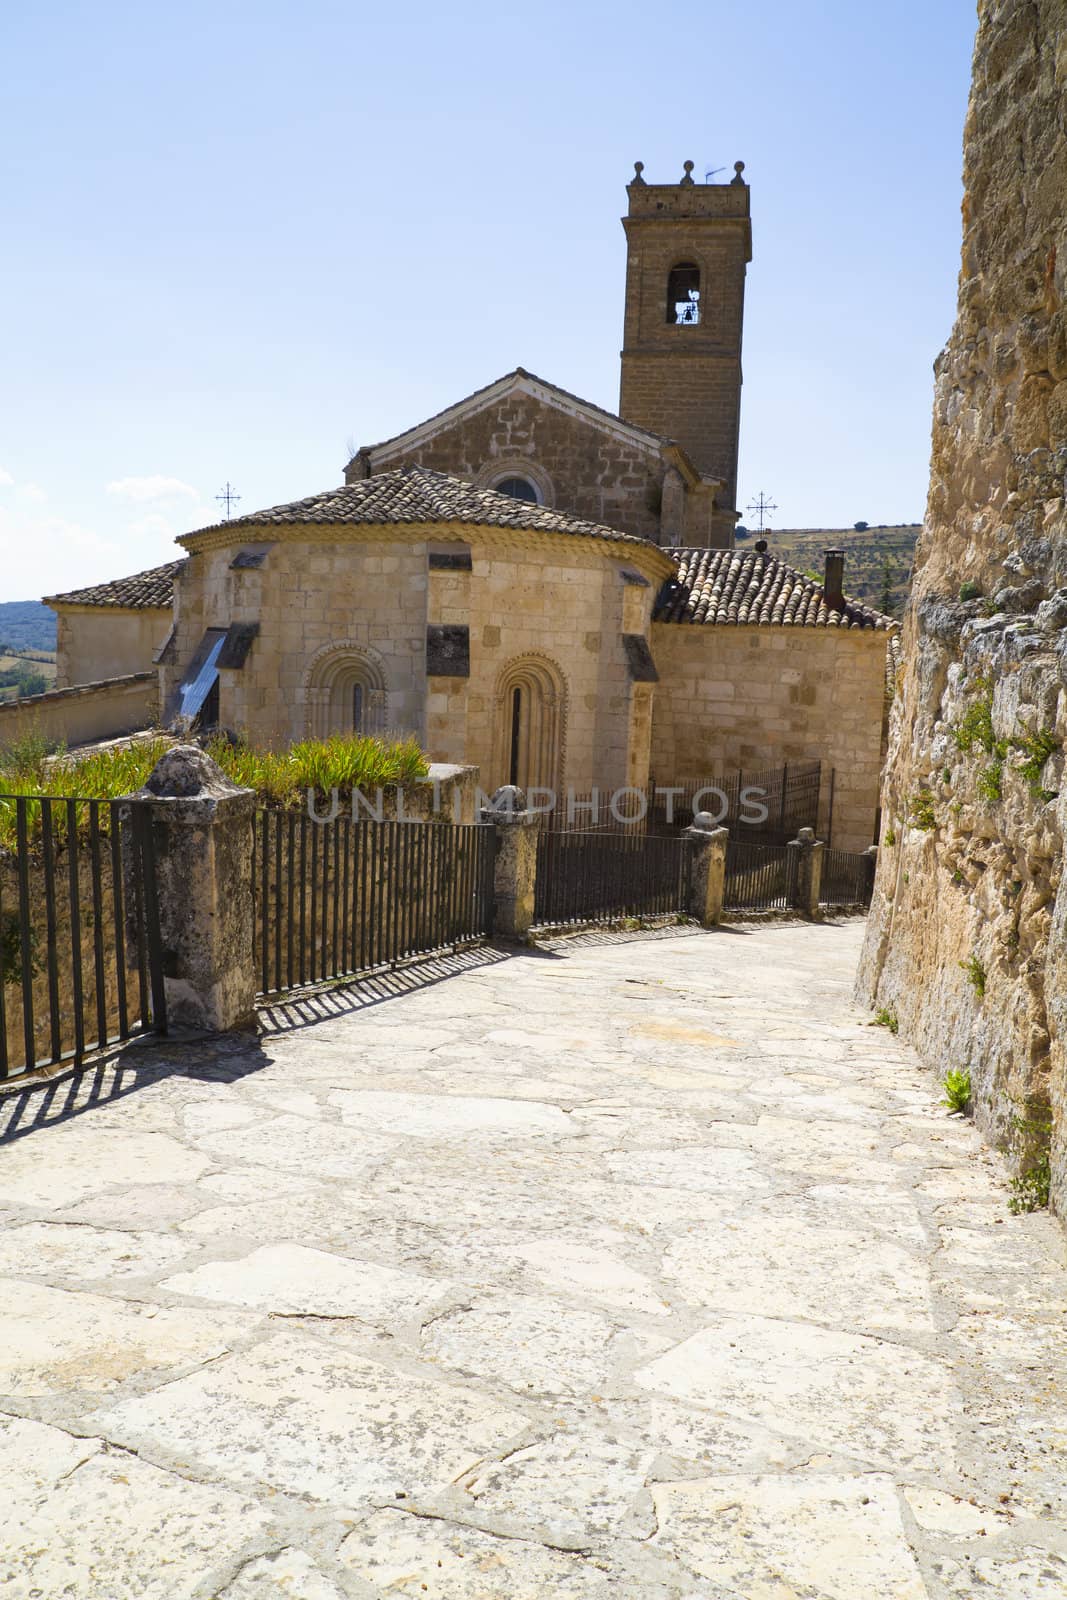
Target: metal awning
<point>202,675</point>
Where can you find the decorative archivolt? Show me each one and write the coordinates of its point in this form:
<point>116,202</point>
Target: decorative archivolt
<point>345,690</point>
<point>530,752</point>
<point>500,468</point>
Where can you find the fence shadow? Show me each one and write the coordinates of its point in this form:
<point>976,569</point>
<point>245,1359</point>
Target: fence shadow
<point>345,997</point>
<point>138,1064</point>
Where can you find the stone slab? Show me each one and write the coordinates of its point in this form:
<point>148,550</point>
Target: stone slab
<point>877,1402</point>
<point>316,1419</point>
<point>791,1538</point>
<point>291,1280</point>
<point>55,1340</point>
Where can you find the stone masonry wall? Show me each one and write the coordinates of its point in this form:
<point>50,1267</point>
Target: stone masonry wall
<point>966,938</point>
<point>732,697</point>
<point>592,472</point>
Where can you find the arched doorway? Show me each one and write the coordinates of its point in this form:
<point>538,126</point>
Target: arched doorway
<point>346,693</point>
<point>529,724</point>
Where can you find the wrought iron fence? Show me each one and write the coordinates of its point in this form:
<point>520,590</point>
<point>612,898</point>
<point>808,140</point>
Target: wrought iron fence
<point>759,877</point>
<point>333,899</point>
<point>597,877</point>
<point>787,795</point>
<point>847,879</point>
<point>80,958</point>
<point>767,803</point>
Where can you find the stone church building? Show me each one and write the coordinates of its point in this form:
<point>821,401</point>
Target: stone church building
<point>528,582</point>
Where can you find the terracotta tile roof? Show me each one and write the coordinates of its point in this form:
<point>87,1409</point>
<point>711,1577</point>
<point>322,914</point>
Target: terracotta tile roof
<point>745,586</point>
<point>149,590</point>
<point>417,495</point>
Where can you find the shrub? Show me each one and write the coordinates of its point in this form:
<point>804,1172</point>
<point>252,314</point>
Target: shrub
<point>343,762</point>
<point>1036,747</point>
<point>1030,1190</point>
<point>921,812</point>
<point>890,836</point>
<point>884,1018</point>
<point>976,975</point>
<point>957,1087</point>
<point>970,591</point>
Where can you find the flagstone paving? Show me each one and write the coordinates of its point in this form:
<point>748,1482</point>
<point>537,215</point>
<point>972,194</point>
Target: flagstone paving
<point>634,1267</point>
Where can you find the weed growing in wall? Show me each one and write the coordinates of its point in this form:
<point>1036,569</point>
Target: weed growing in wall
<point>1036,747</point>
<point>1030,1190</point>
<point>957,1087</point>
<point>921,812</point>
<point>884,1018</point>
<point>976,975</point>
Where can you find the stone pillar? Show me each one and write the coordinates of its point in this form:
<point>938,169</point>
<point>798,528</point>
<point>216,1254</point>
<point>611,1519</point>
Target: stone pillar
<point>515,873</point>
<point>806,853</point>
<point>707,873</point>
<point>201,826</point>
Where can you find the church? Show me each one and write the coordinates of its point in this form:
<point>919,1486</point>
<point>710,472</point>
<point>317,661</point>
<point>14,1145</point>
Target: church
<point>528,582</point>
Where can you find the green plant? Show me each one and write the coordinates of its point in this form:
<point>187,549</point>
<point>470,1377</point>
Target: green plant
<point>884,1018</point>
<point>921,810</point>
<point>970,590</point>
<point>988,608</point>
<point>280,777</point>
<point>990,782</point>
<point>976,725</point>
<point>946,776</point>
<point>890,836</point>
<point>976,975</point>
<point>957,1087</point>
<point>1036,747</point>
<point>1030,1189</point>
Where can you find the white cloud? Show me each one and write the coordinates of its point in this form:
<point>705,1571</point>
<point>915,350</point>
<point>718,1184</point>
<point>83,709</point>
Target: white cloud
<point>32,492</point>
<point>154,522</point>
<point>5,478</point>
<point>153,487</point>
<point>47,554</point>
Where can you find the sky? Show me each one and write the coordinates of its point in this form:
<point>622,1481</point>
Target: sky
<point>240,239</point>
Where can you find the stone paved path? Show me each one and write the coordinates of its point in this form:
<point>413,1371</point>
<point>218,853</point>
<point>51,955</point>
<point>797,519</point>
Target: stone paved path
<point>638,1268</point>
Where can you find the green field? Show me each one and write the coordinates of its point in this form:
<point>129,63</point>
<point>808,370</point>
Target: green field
<point>877,560</point>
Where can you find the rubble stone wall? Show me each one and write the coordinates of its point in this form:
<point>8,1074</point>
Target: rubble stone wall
<point>966,942</point>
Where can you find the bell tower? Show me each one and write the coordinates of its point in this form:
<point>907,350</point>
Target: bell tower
<point>687,247</point>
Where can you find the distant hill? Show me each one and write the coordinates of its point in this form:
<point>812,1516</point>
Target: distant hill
<point>27,625</point>
<point>876,559</point>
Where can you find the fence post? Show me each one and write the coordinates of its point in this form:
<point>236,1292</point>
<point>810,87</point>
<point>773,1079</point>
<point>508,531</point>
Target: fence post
<point>515,865</point>
<point>707,870</point>
<point>201,841</point>
<point>806,872</point>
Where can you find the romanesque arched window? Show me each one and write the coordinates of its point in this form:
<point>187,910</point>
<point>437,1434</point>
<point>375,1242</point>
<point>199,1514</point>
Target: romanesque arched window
<point>529,717</point>
<point>683,294</point>
<point>346,694</point>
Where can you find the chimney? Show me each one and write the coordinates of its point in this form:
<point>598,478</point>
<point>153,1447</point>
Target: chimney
<point>834,581</point>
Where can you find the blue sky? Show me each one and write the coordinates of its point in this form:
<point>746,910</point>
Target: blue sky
<point>238,236</point>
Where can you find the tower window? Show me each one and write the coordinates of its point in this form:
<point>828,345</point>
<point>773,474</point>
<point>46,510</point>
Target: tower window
<point>518,489</point>
<point>683,294</point>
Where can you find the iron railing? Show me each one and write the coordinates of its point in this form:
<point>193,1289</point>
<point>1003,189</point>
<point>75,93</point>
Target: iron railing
<point>80,958</point>
<point>847,879</point>
<point>759,877</point>
<point>768,803</point>
<point>337,898</point>
<point>598,877</point>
